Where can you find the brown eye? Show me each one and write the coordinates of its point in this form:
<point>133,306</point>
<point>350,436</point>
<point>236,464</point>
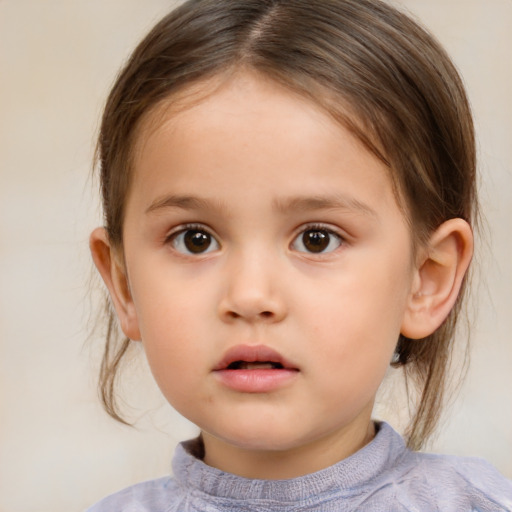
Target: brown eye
<point>197,241</point>
<point>194,241</point>
<point>317,241</point>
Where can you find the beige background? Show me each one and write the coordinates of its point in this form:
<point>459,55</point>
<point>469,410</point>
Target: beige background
<point>58,451</point>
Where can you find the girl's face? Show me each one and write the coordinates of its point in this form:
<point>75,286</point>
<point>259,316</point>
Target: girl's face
<point>270,269</point>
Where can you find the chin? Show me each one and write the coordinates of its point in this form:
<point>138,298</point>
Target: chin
<point>262,438</point>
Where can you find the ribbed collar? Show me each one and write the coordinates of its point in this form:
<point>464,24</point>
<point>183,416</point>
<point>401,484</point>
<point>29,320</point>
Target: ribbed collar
<point>346,478</point>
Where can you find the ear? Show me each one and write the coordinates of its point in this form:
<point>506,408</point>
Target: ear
<point>110,265</point>
<point>438,278</point>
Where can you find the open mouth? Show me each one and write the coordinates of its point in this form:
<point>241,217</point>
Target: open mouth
<point>255,369</point>
<point>253,357</point>
<point>255,365</point>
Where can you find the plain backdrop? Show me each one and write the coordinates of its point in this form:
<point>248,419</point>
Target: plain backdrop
<point>58,450</point>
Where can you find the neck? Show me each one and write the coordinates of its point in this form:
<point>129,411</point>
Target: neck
<point>288,463</point>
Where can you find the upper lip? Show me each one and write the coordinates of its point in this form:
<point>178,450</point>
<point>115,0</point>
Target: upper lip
<point>252,354</point>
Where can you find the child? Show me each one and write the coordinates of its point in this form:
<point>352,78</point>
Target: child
<point>288,189</point>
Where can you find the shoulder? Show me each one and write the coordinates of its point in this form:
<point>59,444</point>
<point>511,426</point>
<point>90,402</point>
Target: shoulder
<point>150,496</point>
<point>451,483</point>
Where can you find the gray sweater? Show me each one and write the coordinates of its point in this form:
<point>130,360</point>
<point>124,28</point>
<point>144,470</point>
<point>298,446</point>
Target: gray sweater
<point>384,476</point>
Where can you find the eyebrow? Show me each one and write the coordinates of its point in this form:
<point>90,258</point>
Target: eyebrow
<point>331,202</point>
<point>284,206</point>
<point>184,202</point>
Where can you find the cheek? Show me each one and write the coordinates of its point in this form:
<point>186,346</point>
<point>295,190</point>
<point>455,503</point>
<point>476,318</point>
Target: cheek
<point>175,358</point>
<point>168,300</point>
<point>360,306</point>
<point>168,315</point>
<point>356,319</point>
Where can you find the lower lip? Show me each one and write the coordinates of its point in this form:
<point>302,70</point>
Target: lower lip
<point>256,381</point>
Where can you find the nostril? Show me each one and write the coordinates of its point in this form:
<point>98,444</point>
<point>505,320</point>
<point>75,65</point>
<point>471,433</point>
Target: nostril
<point>266,314</point>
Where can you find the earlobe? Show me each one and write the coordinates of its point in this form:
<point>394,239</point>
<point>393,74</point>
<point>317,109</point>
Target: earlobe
<point>113,273</point>
<point>438,278</point>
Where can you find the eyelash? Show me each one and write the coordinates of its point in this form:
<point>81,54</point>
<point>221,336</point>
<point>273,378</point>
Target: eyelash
<point>183,230</point>
<point>319,228</point>
<point>174,239</point>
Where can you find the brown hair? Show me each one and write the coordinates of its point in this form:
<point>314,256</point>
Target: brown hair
<point>371,67</point>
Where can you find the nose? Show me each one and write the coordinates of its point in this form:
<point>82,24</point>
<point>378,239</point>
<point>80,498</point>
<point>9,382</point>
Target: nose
<point>252,291</point>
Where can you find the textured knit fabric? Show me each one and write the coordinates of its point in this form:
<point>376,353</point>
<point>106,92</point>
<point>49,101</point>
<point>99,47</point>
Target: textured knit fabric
<point>384,476</point>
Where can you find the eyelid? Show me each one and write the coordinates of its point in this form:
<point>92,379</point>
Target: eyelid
<point>194,226</point>
<point>189,226</point>
<point>319,226</point>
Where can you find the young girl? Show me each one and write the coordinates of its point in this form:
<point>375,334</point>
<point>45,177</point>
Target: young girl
<point>289,189</point>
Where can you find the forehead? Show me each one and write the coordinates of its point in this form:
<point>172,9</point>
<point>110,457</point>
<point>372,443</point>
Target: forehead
<point>236,82</point>
<point>249,131</point>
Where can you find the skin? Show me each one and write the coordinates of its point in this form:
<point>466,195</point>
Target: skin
<point>263,167</point>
